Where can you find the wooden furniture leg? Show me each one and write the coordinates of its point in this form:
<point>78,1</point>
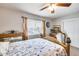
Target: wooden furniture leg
<point>68,46</point>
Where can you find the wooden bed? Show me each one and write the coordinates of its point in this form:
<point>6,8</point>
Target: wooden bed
<point>24,35</point>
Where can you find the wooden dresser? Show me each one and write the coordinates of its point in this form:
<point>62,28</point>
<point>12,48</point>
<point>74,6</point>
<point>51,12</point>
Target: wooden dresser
<point>10,35</point>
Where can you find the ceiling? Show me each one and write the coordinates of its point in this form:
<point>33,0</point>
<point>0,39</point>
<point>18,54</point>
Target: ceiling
<point>34,8</point>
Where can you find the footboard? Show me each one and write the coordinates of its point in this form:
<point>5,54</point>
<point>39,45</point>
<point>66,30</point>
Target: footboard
<point>66,45</point>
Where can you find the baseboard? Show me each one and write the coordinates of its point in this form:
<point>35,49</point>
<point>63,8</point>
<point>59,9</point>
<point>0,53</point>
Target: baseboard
<point>74,46</point>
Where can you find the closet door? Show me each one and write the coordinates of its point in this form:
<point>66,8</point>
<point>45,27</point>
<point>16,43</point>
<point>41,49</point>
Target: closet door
<point>71,27</point>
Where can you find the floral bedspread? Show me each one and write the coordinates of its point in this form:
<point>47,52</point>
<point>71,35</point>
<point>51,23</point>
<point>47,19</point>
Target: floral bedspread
<point>35,47</point>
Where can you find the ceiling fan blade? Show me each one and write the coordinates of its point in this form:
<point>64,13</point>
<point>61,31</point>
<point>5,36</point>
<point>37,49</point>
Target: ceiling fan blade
<point>44,8</point>
<point>63,4</point>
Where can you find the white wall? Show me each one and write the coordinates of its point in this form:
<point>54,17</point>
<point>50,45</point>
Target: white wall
<point>72,28</point>
<point>70,25</point>
<point>11,19</point>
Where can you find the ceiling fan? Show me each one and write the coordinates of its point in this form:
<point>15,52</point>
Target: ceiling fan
<point>52,5</point>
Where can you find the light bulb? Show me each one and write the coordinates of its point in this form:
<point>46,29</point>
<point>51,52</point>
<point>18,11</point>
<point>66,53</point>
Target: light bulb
<point>50,8</point>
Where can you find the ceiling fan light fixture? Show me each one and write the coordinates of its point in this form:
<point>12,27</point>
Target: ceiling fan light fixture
<point>52,11</point>
<point>50,8</point>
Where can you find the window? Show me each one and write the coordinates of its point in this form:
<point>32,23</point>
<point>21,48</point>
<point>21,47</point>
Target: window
<point>34,27</point>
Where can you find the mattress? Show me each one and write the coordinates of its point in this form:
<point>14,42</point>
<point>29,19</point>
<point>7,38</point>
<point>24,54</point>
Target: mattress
<point>35,47</point>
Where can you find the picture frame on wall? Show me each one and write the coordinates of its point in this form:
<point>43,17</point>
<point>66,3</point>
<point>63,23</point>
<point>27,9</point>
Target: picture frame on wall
<point>47,24</point>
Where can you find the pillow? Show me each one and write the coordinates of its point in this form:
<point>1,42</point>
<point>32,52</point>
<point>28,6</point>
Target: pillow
<point>4,48</point>
<point>60,37</point>
<point>16,38</point>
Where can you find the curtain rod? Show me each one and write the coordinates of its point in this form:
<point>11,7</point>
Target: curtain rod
<point>34,18</point>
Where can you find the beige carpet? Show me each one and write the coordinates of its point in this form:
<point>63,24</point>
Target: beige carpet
<point>74,51</point>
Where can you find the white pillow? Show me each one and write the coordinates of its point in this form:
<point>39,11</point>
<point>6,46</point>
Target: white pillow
<point>16,38</point>
<point>4,47</point>
<point>60,37</point>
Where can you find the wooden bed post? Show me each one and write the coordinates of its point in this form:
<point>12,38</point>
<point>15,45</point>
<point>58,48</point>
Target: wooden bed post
<point>24,26</point>
<point>44,27</point>
<point>68,46</point>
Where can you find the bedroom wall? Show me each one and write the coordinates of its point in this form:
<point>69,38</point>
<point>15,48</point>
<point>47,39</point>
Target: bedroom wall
<point>70,25</point>
<point>10,19</point>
